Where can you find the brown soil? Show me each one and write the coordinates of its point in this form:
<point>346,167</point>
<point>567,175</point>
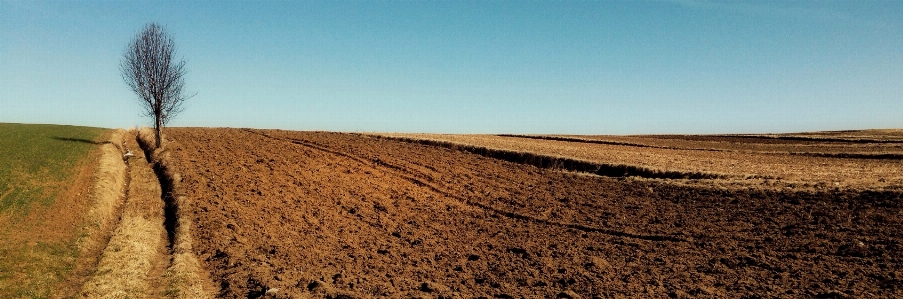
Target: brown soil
<point>301,214</point>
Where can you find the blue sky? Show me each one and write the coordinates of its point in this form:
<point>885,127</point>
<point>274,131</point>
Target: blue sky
<point>576,67</point>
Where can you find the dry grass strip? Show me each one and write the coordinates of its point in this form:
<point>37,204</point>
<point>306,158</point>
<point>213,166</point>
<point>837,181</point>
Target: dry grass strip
<point>130,266</point>
<point>185,277</point>
<point>107,192</point>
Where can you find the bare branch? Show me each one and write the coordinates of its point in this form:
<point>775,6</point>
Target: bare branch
<point>149,69</point>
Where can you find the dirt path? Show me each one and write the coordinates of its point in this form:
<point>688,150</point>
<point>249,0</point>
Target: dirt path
<point>301,214</point>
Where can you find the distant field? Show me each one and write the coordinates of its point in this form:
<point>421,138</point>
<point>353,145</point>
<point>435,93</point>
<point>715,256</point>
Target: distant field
<point>880,143</point>
<point>851,159</point>
<point>44,173</point>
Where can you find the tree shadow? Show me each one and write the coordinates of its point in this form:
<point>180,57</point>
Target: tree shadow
<point>81,140</point>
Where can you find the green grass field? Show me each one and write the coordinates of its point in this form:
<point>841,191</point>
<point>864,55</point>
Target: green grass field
<point>37,161</point>
<point>37,165</point>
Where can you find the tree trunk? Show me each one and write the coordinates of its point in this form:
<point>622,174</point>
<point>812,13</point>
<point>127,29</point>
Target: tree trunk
<point>159,130</point>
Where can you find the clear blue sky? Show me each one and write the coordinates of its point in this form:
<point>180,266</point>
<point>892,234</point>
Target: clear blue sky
<point>470,67</point>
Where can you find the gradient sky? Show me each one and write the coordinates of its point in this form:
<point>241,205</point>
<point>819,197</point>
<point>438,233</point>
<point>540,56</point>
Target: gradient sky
<point>470,67</point>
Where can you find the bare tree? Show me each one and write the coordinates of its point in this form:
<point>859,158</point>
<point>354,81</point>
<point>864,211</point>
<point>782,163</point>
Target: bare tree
<point>148,67</point>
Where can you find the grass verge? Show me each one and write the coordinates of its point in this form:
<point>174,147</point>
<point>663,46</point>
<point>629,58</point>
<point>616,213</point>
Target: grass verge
<point>46,173</point>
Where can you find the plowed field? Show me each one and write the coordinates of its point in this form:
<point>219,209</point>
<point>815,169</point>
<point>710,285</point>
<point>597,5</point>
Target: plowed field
<point>309,214</point>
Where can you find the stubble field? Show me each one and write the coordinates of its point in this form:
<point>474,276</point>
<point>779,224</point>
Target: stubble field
<point>796,161</point>
<point>312,214</point>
